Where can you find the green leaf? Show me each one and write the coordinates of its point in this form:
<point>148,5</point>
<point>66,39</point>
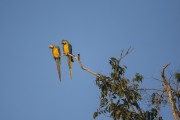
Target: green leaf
<point>153,98</point>
<point>177,76</point>
<point>121,94</point>
<point>103,102</point>
<point>154,111</point>
<point>139,97</point>
<point>117,114</point>
<point>95,115</point>
<point>113,59</point>
<point>138,78</point>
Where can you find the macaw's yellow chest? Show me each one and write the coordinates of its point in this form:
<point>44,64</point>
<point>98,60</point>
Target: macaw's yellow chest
<point>56,53</point>
<point>66,49</point>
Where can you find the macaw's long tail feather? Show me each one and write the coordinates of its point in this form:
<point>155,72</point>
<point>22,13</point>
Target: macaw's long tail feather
<point>70,65</point>
<point>58,68</point>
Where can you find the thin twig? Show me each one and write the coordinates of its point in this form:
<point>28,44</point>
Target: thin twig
<point>130,49</point>
<point>150,89</point>
<point>157,79</point>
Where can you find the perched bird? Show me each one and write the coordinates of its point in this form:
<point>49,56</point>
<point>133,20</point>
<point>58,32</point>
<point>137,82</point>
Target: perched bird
<point>67,48</point>
<point>56,54</point>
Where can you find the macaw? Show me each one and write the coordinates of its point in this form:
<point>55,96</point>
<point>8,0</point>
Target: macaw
<point>67,48</point>
<point>56,54</point>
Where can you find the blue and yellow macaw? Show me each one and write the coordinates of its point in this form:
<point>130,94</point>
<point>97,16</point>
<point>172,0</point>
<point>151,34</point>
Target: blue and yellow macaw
<point>56,54</point>
<point>67,48</point>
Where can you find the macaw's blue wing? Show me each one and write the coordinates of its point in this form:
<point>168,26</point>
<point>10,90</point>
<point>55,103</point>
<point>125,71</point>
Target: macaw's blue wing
<point>70,60</point>
<point>70,51</point>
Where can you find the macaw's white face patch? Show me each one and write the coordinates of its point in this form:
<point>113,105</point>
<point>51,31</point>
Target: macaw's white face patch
<point>51,46</point>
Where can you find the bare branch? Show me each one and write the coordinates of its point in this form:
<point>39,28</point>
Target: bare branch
<point>167,88</point>
<point>163,69</point>
<point>84,68</point>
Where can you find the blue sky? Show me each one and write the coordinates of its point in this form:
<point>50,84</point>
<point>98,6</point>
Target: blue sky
<point>98,30</point>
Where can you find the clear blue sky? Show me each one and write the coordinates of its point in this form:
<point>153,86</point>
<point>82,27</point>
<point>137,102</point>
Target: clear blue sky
<point>97,29</point>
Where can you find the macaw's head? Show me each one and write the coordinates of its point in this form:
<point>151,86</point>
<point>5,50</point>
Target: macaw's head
<point>51,46</point>
<point>64,42</point>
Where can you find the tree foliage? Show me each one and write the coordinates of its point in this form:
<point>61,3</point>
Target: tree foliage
<point>120,96</point>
